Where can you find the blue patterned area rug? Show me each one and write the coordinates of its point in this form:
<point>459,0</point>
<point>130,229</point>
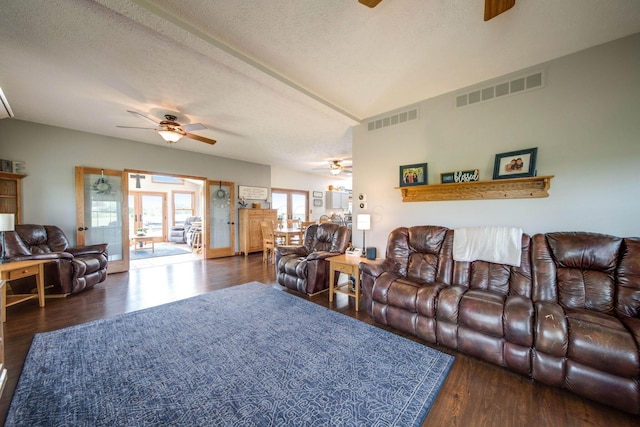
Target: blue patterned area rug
<point>160,249</point>
<point>249,355</point>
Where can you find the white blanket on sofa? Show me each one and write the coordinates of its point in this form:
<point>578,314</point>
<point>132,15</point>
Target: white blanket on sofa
<point>502,245</point>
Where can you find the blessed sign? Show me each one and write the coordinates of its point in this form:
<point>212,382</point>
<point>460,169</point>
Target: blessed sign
<point>460,176</point>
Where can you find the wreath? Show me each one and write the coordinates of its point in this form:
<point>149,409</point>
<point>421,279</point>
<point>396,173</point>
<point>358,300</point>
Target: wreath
<point>102,186</point>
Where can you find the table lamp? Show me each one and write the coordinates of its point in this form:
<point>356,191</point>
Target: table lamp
<point>363,222</point>
<point>6,224</point>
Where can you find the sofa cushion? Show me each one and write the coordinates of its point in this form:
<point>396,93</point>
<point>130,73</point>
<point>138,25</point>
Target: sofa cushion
<point>602,342</point>
<point>585,265</point>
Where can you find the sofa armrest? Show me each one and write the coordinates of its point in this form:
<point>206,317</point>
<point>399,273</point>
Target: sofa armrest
<point>290,250</point>
<point>321,255</point>
<point>376,268</point>
<point>518,320</point>
<point>43,256</point>
<point>552,329</point>
<point>99,248</point>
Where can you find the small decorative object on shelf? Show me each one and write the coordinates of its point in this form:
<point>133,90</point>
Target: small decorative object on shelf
<point>460,176</point>
<point>515,164</point>
<point>411,175</point>
<point>242,202</point>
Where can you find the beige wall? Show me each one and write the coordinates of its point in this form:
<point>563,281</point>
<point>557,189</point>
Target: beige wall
<point>584,121</point>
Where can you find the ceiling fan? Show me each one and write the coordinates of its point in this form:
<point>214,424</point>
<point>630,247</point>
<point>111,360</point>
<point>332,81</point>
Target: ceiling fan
<point>170,130</point>
<point>492,8</point>
<point>335,168</point>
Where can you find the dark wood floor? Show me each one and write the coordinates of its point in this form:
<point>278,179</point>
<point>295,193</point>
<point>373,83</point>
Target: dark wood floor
<point>474,394</point>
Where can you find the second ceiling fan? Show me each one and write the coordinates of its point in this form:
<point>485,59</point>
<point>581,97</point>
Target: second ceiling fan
<point>492,8</point>
<point>170,130</point>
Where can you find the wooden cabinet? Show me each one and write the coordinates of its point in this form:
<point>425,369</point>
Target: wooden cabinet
<point>250,233</point>
<point>10,194</point>
<point>337,200</point>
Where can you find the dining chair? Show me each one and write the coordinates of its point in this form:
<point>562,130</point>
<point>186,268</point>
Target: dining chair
<point>268,241</point>
<point>294,223</point>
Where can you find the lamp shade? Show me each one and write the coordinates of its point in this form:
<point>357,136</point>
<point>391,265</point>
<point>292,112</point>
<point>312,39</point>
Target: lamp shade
<point>7,222</point>
<point>363,222</point>
<point>169,136</point>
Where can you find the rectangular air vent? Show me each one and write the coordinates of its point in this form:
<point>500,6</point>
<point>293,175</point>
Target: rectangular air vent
<point>394,119</point>
<point>512,86</point>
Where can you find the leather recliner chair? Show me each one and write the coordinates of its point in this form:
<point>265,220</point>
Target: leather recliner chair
<point>305,268</point>
<point>71,270</point>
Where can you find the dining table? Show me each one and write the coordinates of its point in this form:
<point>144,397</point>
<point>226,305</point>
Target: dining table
<point>288,233</point>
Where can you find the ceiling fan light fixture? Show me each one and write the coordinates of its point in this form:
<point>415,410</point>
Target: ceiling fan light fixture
<point>335,171</point>
<point>170,136</point>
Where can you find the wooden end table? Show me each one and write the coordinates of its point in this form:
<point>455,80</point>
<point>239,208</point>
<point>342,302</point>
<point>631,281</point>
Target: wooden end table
<point>347,264</point>
<point>17,270</point>
<point>143,241</point>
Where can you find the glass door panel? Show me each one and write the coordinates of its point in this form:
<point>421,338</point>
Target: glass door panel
<point>290,204</point>
<point>299,206</point>
<point>147,214</point>
<point>220,224</point>
<point>100,204</point>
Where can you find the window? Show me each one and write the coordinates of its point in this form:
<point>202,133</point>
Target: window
<point>183,206</point>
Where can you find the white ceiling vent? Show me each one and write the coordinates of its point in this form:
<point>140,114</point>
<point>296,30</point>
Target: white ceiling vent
<point>516,85</point>
<point>5,109</point>
<point>394,119</point>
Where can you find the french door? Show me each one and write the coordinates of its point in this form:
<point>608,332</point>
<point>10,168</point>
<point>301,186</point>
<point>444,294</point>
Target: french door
<point>148,214</point>
<point>219,226</point>
<point>101,209</point>
<point>290,204</point>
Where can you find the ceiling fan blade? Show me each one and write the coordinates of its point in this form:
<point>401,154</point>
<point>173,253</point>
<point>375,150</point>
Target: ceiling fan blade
<point>193,126</point>
<point>370,3</point>
<point>135,127</point>
<point>493,8</point>
<point>200,138</point>
<point>142,116</point>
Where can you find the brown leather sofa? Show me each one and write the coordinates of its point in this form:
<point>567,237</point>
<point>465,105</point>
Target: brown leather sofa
<point>569,316</point>
<point>71,270</point>
<point>305,268</point>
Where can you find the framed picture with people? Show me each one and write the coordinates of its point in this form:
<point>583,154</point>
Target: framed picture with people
<point>515,164</point>
<point>413,175</point>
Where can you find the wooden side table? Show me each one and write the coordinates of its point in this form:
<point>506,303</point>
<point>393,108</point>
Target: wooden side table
<point>348,265</point>
<point>17,270</point>
<point>143,242</point>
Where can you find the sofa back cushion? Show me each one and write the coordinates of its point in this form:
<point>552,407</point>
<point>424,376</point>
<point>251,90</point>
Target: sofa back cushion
<point>39,239</point>
<point>576,270</point>
<point>500,278</point>
<point>326,237</point>
<point>628,288</point>
<point>421,252</point>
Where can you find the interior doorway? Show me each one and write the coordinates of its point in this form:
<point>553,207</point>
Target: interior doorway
<point>165,213</point>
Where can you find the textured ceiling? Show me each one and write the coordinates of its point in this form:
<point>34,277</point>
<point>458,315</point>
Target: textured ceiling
<point>277,82</point>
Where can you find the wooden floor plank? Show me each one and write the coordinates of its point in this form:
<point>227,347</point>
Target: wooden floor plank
<point>475,393</point>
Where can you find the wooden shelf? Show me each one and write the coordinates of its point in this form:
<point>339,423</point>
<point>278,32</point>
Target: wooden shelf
<point>517,188</point>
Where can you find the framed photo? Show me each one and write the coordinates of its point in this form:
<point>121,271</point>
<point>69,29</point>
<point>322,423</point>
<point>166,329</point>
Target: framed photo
<point>317,202</point>
<point>413,175</point>
<point>317,194</point>
<point>515,164</point>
